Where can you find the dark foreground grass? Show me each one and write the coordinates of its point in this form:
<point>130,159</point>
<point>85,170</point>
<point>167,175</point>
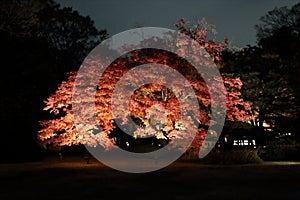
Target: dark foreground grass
<point>72,178</point>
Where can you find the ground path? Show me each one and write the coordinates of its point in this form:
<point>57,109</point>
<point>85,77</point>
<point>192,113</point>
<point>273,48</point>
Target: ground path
<point>72,178</point>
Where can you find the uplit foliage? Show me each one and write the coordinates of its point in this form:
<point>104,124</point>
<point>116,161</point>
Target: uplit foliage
<point>163,119</point>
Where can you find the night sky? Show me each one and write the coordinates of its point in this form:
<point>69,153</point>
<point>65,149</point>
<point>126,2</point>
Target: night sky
<point>234,19</point>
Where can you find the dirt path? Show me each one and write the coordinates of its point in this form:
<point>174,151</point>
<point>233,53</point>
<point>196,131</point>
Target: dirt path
<point>74,179</point>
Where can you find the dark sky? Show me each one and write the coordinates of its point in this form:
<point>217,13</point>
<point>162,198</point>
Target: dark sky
<point>234,19</point>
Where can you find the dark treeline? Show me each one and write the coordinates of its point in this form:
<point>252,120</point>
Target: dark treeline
<point>40,43</point>
<point>270,70</point>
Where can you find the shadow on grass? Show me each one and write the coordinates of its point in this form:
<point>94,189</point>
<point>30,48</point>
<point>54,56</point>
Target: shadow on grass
<point>72,178</point>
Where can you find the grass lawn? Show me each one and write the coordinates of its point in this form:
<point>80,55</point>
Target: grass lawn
<point>72,178</point>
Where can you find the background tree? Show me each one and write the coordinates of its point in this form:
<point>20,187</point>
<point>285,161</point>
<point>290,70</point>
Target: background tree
<point>71,34</point>
<point>270,70</point>
<point>34,65</point>
<point>19,17</point>
<point>263,85</point>
<point>277,19</point>
<point>279,34</point>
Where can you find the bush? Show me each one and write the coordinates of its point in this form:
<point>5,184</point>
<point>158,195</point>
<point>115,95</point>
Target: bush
<point>280,153</point>
<point>272,153</point>
<point>238,156</point>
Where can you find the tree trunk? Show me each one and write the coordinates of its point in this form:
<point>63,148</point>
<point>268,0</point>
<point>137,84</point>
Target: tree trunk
<point>261,119</point>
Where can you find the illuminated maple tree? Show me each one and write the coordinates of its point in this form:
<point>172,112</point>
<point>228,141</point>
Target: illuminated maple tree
<point>154,107</point>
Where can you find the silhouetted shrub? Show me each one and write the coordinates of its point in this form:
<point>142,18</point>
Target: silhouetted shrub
<point>237,156</point>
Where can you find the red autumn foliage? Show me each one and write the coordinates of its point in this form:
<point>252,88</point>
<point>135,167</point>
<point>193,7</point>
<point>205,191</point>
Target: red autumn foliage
<point>156,107</point>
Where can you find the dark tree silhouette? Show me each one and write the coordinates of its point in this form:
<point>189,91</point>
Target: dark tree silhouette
<point>34,64</point>
<point>264,85</point>
<point>279,35</point>
<point>69,32</point>
<point>277,19</point>
<point>270,71</point>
